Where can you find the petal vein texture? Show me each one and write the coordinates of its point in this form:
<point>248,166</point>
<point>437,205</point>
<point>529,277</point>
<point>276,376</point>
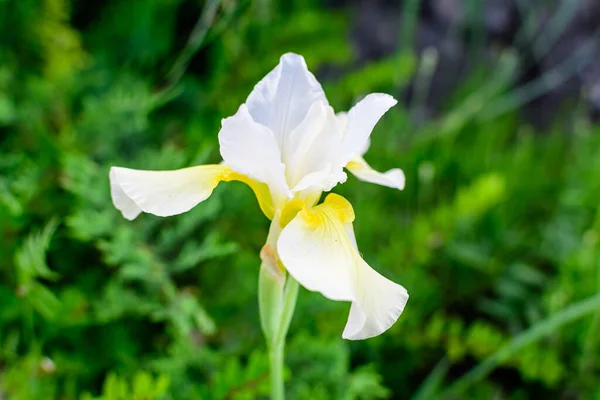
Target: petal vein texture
<point>319,250</point>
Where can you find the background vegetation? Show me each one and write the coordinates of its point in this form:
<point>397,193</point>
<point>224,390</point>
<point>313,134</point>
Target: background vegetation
<point>496,236</point>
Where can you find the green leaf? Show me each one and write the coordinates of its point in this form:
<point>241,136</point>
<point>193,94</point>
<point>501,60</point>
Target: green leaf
<point>30,258</point>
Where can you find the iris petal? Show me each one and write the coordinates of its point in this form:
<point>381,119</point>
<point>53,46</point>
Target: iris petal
<point>319,250</point>
<point>394,178</point>
<point>281,100</point>
<point>165,193</point>
<point>361,119</point>
<point>250,149</point>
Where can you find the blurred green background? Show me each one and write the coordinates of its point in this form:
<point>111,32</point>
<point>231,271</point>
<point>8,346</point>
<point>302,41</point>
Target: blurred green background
<point>495,236</point>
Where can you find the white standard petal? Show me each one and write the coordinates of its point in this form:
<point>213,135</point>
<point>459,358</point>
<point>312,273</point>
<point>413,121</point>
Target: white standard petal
<point>312,151</point>
<point>361,119</point>
<point>322,180</point>
<point>299,142</point>
<point>394,178</point>
<point>319,250</point>
<point>282,99</point>
<point>251,149</point>
<point>163,193</point>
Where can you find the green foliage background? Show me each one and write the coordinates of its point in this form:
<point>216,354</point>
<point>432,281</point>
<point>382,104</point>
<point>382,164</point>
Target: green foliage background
<point>495,233</point>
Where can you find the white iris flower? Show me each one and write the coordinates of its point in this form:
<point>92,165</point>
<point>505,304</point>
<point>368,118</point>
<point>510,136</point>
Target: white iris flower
<point>289,146</point>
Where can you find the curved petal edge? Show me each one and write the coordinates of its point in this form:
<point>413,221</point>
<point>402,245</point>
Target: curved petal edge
<point>378,304</point>
<point>282,98</point>
<point>394,178</point>
<point>163,193</point>
<point>250,148</point>
<point>361,119</point>
<point>319,250</point>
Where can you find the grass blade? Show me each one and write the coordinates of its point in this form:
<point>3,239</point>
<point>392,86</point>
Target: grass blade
<point>533,334</point>
<point>434,380</point>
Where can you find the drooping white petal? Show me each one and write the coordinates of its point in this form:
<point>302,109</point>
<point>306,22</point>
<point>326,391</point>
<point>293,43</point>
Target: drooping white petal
<point>305,248</point>
<point>251,149</point>
<point>163,193</point>
<point>122,202</point>
<point>361,119</point>
<point>393,178</point>
<point>319,250</point>
<point>379,302</point>
<point>282,99</point>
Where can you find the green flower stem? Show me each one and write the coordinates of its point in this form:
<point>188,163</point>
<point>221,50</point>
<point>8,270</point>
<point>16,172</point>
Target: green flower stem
<point>277,292</point>
<point>276,370</point>
<point>277,344</point>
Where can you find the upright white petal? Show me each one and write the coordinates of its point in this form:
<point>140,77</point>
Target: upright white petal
<point>163,193</point>
<point>311,151</point>
<point>319,250</point>
<point>394,178</point>
<point>288,137</point>
<point>251,149</point>
<point>297,146</point>
<point>281,99</point>
<point>361,119</point>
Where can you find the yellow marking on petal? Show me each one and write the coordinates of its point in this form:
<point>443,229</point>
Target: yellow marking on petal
<point>312,199</point>
<point>313,218</point>
<point>354,165</point>
<point>393,178</point>
<point>261,191</point>
<point>334,206</point>
<point>290,210</point>
<point>318,249</point>
<point>341,207</point>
